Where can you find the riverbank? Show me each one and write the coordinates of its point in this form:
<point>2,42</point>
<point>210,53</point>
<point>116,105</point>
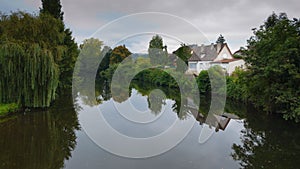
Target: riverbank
<point>5,109</point>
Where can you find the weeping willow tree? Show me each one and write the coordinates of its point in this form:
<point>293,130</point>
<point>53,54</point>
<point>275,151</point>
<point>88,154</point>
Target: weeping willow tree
<point>36,57</point>
<point>29,75</point>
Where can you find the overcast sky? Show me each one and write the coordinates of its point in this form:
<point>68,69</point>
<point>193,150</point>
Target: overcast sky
<point>176,20</point>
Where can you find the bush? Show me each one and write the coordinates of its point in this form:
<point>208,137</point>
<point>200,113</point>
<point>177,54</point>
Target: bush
<point>8,108</point>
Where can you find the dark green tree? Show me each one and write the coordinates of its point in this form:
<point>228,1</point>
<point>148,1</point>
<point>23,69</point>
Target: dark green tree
<point>105,61</point>
<point>68,60</point>
<point>104,65</point>
<point>157,51</point>
<point>184,53</point>
<point>273,58</point>
<point>221,39</point>
<point>156,42</point>
<point>52,7</point>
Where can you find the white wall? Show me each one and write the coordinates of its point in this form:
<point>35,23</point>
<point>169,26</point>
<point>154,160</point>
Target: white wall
<point>232,65</point>
<point>203,65</point>
<point>192,69</point>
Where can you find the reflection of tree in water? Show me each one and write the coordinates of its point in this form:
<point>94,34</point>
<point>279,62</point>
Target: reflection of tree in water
<point>268,142</point>
<point>41,139</point>
<point>88,65</point>
<point>183,106</point>
<point>159,100</point>
<point>156,100</point>
<point>102,93</point>
<point>103,90</point>
<point>121,93</point>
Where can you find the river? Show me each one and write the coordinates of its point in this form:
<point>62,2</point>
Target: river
<point>54,138</point>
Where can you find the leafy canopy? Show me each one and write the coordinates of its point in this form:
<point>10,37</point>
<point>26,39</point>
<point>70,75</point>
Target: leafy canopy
<point>273,57</point>
<point>118,54</point>
<point>41,56</point>
<point>184,53</point>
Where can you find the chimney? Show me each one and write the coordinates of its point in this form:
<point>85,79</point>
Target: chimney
<point>211,46</point>
<point>202,48</point>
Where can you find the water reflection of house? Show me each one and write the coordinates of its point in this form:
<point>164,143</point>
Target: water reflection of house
<point>214,120</point>
<point>217,121</point>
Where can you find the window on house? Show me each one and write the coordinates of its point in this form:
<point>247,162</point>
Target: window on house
<point>193,66</point>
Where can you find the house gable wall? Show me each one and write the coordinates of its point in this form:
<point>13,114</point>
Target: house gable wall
<point>225,52</point>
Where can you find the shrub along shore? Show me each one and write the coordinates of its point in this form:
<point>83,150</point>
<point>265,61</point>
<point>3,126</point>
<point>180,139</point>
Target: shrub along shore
<point>5,109</point>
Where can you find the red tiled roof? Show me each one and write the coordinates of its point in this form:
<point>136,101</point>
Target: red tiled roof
<point>226,60</point>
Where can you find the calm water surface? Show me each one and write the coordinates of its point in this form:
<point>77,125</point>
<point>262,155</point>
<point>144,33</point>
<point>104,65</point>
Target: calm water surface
<point>54,139</point>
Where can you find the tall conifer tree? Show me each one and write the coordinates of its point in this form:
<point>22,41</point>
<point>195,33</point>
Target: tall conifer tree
<point>52,7</point>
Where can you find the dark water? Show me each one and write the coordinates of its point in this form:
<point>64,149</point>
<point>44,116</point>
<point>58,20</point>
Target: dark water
<point>53,138</point>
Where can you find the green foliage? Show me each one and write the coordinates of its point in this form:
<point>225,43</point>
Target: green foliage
<point>238,85</point>
<point>43,29</point>
<point>203,82</point>
<point>157,52</point>
<point>87,65</point>
<point>157,77</point>
<point>90,52</point>
<point>184,53</point>
<point>240,53</point>
<point>273,57</point>
<point>236,56</point>
<point>41,56</point>
<point>108,73</point>
<point>156,42</point>
<point>153,76</point>
<point>8,108</point>
<point>29,75</point>
<point>118,54</point>
<point>52,7</point>
<point>142,62</point>
<point>217,80</point>
<point>106,60</point>
<point>68,60</point>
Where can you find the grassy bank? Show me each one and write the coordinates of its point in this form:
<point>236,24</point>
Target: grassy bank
<point>8,108</point>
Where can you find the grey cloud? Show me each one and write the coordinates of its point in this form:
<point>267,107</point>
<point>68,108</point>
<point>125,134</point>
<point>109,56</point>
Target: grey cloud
<point>232,18</point>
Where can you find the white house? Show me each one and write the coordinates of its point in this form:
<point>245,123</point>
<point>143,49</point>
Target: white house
<point>205,56</point>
